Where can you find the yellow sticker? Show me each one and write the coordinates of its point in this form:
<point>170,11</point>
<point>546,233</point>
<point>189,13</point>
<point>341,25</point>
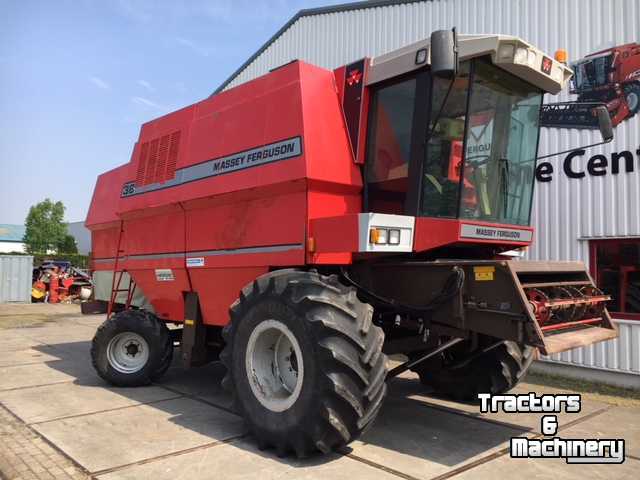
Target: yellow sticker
<point>484,274</point>
<point>189,322</point>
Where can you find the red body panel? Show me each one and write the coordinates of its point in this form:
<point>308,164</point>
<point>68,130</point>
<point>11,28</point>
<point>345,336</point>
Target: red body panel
<point>433,233</point>
<point>236,225</point>
<point>221,191</point>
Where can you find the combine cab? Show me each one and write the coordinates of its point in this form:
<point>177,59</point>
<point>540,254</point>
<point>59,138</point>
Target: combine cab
<point>305,224</point>
<point>610,77</point>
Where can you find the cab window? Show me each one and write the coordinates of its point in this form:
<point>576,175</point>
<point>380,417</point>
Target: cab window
<point>443,157</point>
<point>389,149</point>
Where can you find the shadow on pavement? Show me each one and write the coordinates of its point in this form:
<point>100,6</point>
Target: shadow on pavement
<point>412,427</point>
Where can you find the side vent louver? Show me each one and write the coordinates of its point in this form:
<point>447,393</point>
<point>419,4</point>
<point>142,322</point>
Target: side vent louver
<point>157,160</point>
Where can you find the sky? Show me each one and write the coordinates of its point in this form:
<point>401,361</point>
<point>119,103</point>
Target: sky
<point>78,78</point>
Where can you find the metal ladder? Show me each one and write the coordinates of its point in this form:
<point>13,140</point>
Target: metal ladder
<point>115,285</point>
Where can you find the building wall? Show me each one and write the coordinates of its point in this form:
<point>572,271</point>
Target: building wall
<point>7,247</point>
<point>82,236</point>
<point>567,212</point>
<point>334,39</point>
<point>15,278</point>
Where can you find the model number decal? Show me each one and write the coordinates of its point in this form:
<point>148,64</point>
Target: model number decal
<point>271,152</point>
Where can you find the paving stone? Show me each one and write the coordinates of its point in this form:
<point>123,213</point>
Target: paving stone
<point>409,388</point>
<point>203,382</point>
<point>66,399</point>
<point>57,335</point>
<point>241,460</point>
<point>22,452</point>
<point>110,439</point>
<point>618,422</point>
<point>11,341</point>
<point>41,374</point>
<point>424,442</point>
<point>557,469</point>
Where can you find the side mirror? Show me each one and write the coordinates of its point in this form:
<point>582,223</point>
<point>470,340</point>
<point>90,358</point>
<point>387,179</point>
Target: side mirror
<point>604,124</point>
<point>444,53</point>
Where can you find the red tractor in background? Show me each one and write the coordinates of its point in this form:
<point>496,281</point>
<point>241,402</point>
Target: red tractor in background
<point>612,77</point>
<point>304,225</point>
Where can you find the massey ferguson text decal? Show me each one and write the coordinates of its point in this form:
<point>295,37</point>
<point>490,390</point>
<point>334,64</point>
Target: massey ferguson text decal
<point>492,233</point>
<point>272,152</point>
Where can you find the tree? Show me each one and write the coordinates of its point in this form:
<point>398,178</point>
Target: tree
<point>44,227</point>
<point>68,245</point>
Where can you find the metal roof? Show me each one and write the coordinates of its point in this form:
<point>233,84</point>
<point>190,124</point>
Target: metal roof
<point>11,233</point>
<point>308,12</point>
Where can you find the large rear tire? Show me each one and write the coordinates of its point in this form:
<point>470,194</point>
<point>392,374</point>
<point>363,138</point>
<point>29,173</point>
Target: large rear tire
<point>496,371</point>
<point>304,362</point>
<point>131,349</point>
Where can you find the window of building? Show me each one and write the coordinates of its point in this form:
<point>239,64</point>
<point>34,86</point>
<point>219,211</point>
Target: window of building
<point>615,266</point>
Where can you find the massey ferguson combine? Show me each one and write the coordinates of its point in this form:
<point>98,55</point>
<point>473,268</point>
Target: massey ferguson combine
<point>610,77</point>
<point>306,224</point>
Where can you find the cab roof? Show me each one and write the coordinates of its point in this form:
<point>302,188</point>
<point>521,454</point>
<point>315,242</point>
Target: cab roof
<point>508,52</point>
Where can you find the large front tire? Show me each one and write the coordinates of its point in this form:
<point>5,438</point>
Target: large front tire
<point>304,362</point>
<point>496,371</point>
<point>632,96</point>
<point>132,348</point>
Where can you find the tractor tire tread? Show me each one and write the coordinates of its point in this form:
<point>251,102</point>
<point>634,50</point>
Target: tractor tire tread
<point>351,367</point>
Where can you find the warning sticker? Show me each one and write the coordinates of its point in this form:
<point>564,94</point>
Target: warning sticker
<point>195,262</point>
<point>484,274</point>
<point>164,275</point>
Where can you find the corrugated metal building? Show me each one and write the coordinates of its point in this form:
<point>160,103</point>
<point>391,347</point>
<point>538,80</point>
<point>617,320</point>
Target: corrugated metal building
<point>594,217</point>
<point>82,236</point>
<point>11,238</point>
<point>15,278</point>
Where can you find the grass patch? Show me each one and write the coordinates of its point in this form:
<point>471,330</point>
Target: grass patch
<point>593,390</point>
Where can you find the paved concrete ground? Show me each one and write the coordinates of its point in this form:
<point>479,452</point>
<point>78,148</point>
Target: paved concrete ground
<point>59,420</point>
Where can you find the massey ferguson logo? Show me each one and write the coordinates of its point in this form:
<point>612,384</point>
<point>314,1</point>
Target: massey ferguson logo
<point>354,77</point>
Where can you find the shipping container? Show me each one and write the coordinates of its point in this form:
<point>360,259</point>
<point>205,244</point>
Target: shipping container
<point>16,273</point>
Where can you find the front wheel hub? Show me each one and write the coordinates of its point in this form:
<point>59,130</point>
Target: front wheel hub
<point>274,365</point>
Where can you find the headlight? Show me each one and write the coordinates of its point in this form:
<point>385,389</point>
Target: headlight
<point>385,236</point>
<point>394,237</point>
<point>506,52</point>
<point>521,55</point>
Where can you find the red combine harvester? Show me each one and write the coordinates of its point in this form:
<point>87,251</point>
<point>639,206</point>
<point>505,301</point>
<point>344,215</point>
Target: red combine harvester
<point>302,226</point>
<point>611,77</point>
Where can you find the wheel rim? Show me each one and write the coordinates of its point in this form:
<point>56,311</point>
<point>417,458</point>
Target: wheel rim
<point>274,365</point>
<point>128,352</point>
<point>632,101</point>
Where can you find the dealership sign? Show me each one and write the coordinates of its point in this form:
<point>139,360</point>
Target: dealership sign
<point>576,165</point>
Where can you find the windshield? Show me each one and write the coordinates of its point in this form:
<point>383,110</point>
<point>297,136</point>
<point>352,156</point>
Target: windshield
<point>591,73</point>
<point>500,143</point>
